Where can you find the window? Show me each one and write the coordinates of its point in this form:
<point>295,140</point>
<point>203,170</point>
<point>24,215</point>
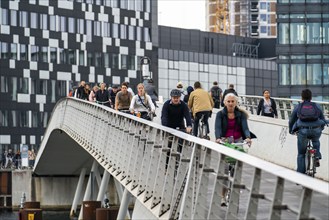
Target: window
<point>124,4</point>
<point>81,58</point>
<point>139,5</point>
<point>90,59</point>
<point>107,29</point>
<point>147,35</point>
<point>24,52</point>
<point>81,26</point>
<point>44,54</point>
<point>3,118</point>
<point>139,33</point>
<point>263,5</point>
<point>314,74</point>
<point>115,30</point>
<point>42,89</point>
<point>263,29</point>
<point>124,61</point>
<point>52,22</point>
<point>283,33</point>
<point>62,91</point>
<point>72,56</point>
<point>284,74</point>
<point>325,32</point>
<point>62,26</point>
<point>14,118</point>
<point>71,25</point>
<point>13,18</point>
<point>115,61</point>
<point>298,74</point>
<point>35,119</point>
<point>148,5</point>
<point>44,118</point>
<point>131,4</point>
<point>4,50</point>
<point>106,60</point>
<point>97,28</point>
<point>13,51</point>
<point>62,56</point>
<point>34,53</point>
<point>326,74</point>
<point>43,21</point>
<point>313,33</point>
<point>4,16</point>
<point>131,62</point>
<point>89,30</point>
<point>23,19</point>
<point>263,17</point>
<point>123,31</point>
<point>13,88</point>
<point>24,119</point>
<point>52,91</point>
<point>131,33</point>
<point>98,59</point>
<point>297,33</point>
<point>23,85</point>
<point>34,20</point>
<point>53,55</point>
<point>3,84</point>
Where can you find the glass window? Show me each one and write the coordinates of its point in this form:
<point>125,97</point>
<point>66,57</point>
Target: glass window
<point>147,34</point>
<point>131,33</point>
<point>44,118</point>
<point>131,4</point>
<point>13,18</point>
<point>326,74</point>
<point>115,61</point>
<point>13,87</point>
<point>325,32</point>
<point>42,89</point>
<point>24,119</point>
<point>90,59</point>
<point>35,119</point>
<point>107,29</point>
<point>81,58</point>
<point>33,86</point>
<point>313,33</point>
<point>4,50</point>
<point>298,74</point>
<point>62,90</point>
<point>13,51</point>
<point>314,74</point>
<point>97,28</point>
<point>106,60</point>
<point>123,31</point>
<point>98,2</point>
<point>72,56</point>
<point>34,53</point>
<point>52,22</point>
<point>34,20</point>
<point>263,17</point>
<point>115,30</point>
<point>71,25</point>
<point>297,15</point>
<point>124,4</point>
<point>44,21</point>
<point>89,1</point>
<point>107,3</point>
<point>81,26</point>
<point>14,118</point>
<point>62,26</point>
<point>53,55</point>
<point>53,91</point>
<point>62,56</point>
<point>263,29</point>
<point>23,85</point>
<point>311,56</point>
<point>148,5</point>
<point>44,54</point>
<point>4,16</point>
<point>3,118</point>
<point>3,84</point>
<point>98,59</point>
<point>297,33</point>
<point>131,62</point>
<point>139,5</point>
<point>139,33</point>
<point>89,30</point>
<point>297,57</point>
<point>284,74</point>
<point>23,19</point>
<point>263,5</point>
<point>124,61</point>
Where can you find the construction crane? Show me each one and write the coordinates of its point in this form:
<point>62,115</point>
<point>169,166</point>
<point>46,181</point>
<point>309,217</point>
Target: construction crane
<point>222,17</point>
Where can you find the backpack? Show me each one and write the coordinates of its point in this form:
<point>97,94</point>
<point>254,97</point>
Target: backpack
<point>215,93</point>
<point>308,111</point>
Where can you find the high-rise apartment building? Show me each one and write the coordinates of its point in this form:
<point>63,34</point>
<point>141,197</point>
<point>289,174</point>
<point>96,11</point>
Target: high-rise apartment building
<point>303,47</point>
<point>247,18</point>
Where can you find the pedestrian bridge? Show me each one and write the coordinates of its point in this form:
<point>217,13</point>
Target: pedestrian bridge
<point>84,137</point>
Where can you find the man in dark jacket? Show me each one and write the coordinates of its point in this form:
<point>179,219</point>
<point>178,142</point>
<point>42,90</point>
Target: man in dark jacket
<point>229,90</point>
<point>174,111</point>
<point>216,94</point>
<point>113,93</point>
<point>81,94</point>
<point>103,96</point>
<point>151,91</point>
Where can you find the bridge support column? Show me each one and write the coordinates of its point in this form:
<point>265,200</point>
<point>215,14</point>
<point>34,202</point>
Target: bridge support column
<point>88,188</point>
<point>124,204</point>
<point>103,187</point>
<point>78,192</point>
<point>121,195</point>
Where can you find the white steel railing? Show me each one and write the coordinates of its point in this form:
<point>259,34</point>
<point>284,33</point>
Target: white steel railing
<point>284,106</point>
<point>177,176</point>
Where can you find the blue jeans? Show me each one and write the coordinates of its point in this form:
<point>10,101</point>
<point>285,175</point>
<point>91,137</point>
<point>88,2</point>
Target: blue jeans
<point>302,139</point>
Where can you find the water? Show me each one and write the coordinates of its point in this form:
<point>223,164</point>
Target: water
<point>46,215</point>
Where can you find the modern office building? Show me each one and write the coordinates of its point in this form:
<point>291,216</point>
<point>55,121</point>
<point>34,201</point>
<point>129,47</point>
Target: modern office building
<point>46,46</point>
<point>192,55</point>
<point>247,18</point>
<point>303,47</point>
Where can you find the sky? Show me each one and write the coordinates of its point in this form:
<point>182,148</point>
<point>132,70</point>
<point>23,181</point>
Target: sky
<point>189,14</point>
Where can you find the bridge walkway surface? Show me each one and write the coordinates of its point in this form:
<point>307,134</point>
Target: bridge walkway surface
<point>135,152</point>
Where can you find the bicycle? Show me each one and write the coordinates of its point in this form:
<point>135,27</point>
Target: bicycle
<point>310,159</point>
<point>203,131</point>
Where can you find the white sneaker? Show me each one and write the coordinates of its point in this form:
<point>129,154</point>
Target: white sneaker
<point>223,202</point>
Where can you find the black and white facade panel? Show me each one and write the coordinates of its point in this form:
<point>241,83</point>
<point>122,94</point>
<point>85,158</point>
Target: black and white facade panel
<point>47,46</point>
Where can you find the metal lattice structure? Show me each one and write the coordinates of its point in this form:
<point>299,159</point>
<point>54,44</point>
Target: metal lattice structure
<point>177,176</point>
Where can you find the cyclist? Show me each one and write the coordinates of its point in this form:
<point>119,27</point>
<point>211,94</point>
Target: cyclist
<point>308,121</point>
<point>123,98</point>
<point>103,96</point>
<point>231,123</point>
<point>174,111</point>
<point>216,93</point>
<point>200,103</point>
<point>142,103</point>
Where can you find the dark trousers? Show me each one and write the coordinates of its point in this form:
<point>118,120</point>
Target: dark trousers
<point>197,118</point>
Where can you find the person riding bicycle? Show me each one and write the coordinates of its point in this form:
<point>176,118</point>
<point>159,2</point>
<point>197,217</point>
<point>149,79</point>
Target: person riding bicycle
<point>216,93</point>
<point>174,111</point>
<point>142,103</point>
<point>231,123</point>
<point>103,96</point>
<point>123,98</point>
<point>308,121</point>
<point>201,103</point>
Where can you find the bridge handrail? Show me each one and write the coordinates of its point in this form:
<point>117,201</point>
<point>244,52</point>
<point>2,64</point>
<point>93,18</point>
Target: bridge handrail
<point>196,152</point>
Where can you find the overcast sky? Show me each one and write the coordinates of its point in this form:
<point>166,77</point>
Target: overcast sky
<point>188,14</point>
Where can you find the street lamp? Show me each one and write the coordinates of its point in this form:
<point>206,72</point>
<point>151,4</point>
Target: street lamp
<point>145,67</point>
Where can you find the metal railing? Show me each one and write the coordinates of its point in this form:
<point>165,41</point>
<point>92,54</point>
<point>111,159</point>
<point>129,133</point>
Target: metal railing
<point>284,106</point>
<point>178,176</point>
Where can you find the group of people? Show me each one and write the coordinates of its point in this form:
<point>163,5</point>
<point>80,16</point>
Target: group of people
<point>10,160</point>
<point>122,98</point>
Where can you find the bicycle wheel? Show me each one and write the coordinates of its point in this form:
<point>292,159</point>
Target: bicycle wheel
<point>310,165</point>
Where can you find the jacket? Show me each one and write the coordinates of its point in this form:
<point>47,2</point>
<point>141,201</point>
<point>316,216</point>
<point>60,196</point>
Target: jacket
<point>173,115</point>
<point>295,123</point>
<point>260,107</point>
<point>199,101</point>
<point>240,120</point>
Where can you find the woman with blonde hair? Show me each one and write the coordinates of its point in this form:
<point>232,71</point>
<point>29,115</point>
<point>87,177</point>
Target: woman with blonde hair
<point>142,103</point>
